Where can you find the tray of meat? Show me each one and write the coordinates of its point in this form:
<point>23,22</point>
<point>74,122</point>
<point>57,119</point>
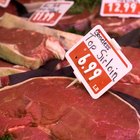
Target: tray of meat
<point>36,101</point>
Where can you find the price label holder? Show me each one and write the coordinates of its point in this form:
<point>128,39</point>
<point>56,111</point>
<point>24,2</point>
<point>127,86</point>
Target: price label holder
<point>4,3</point>
<point>120,8</point>
<point>50,12</point>
<point>98,62</point>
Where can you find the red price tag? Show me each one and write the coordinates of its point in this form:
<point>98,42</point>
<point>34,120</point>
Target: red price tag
<point>51,12</point>
<point>98,62</point>
<point>4,3</point>
<point>121,9</point>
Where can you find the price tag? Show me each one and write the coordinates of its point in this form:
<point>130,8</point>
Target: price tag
<point>4,3</point>
<point>51,12</point>
<point>98,61</point>
<point>120,8</point>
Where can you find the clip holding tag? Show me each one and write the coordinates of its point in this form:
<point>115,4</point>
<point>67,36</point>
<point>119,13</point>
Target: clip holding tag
<point>74,81</point>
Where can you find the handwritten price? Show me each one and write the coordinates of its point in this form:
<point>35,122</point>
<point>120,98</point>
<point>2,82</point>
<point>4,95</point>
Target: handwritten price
<point>92,66</point>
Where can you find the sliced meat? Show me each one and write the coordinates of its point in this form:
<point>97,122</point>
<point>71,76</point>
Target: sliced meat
<point>126,88</point>
<point>53,111</point>
<point>29,133</point>
<point>7,68</point>
<point>133,55</point>
<point>116,27</point>
<point>77,22</point>
<point>131,82</point>
<point>28,48</point>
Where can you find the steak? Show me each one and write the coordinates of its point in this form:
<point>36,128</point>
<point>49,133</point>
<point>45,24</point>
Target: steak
<point>28,48</point>
<point>116,27</point>
<point>131,82</point>
<point>43,111</point>
<point>7,68</point>
<point>77,22</point>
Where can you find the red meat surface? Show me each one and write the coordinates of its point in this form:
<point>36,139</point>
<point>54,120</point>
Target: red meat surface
<point>11,8</point>
<point>31,44</point>
<point>130,84</point>
<point>7,68</point>
<point>5,64</point>
<point>116,26</point>
<point>77,22</point>
<point>43,108</point>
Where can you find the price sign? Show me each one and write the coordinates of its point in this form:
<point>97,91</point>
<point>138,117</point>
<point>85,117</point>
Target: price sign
<point>120,8</point>
<point>98,61</point>
<point>4,3</point>
<point>51,12</point>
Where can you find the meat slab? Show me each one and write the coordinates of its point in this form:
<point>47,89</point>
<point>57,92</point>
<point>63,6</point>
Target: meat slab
<point>130,84</point>
<point>7,68</point>
<point>11,8</point>
<point>43,108</point>
<point>28,48</point>
<point>78,22</point>
<point>116,27</point>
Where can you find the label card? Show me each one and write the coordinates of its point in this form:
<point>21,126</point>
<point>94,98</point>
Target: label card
<point>120,8</point>
<point>98,62</point>
<point>4,3</point>
<point>51,12</point>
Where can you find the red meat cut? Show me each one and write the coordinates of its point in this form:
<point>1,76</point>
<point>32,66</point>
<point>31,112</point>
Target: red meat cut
<point>116,27</point>
<point>50,111</point>
<point>11,8</point>
<point>130,84</point>
<point>7,68</point>
<point>28,48</point>
<point>78,22</point>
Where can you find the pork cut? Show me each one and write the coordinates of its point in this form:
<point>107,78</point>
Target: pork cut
<point>43,108</point>
<point>28,48</point>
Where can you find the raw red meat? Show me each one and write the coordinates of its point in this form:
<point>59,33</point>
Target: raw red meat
<point>116,27</point>
<point>11,8</point>
<point>28,48</point>
<point>45,108</point>
<point>130,84</point>
<point>78,22</point>
<point>133,77</point>
<point>9,68</point>
<point>30,133</point>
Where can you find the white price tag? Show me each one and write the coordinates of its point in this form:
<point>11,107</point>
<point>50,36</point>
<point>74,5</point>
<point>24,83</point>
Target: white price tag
<point>120,8</point>
<point>98,61</point>
<point>4,3</point>
<point>51,12</point>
